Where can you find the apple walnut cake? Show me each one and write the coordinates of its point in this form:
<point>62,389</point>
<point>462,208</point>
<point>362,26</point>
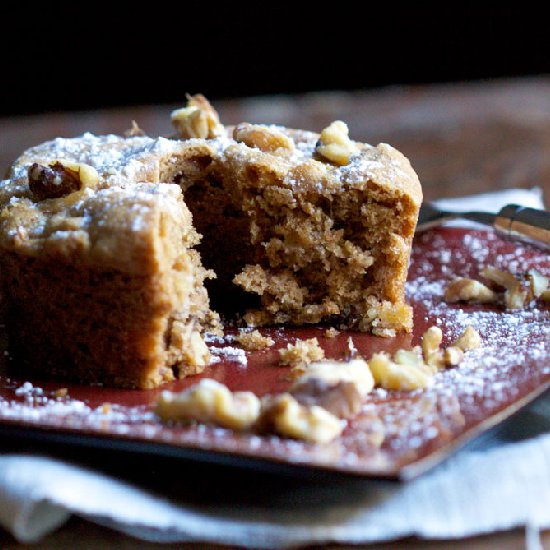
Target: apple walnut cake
<point>117,251</point>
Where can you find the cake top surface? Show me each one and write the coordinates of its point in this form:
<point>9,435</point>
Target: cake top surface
<point>121,167</point>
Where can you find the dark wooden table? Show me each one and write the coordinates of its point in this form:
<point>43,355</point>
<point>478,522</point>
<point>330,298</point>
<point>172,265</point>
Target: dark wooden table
<point>460,138</point>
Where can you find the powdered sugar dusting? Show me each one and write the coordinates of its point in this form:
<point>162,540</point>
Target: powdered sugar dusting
<point>229,353</point>
<point>39,406</point>
<point>515,344</point>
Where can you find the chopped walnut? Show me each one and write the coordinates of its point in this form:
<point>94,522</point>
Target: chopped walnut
<point>355,371</point>
<point>134,131</point>
<point>106,408</point>
<point>60,179</point>
<point>414,358</point>
<point>516,294</point>
<point>453,355</point>
<point>538,283</point>
<point>409,357</point>
<point>469,339</point>
<point>501,278</point>
<point>342,399</point>
<point>283,415</point>
<point>414,369</point>
<point>515,297</point>
<point>335,145</point>
<point>264,138</point>
<point>197,120</point>
<point>337,386</point>
<point>61,392</point>
<point>302,353</point>
<point>253,341</point>
<point>468,290</point>
<point>431,341</point>
<point>331,332</point>
<point>210,402</point>
<point>396,376</point>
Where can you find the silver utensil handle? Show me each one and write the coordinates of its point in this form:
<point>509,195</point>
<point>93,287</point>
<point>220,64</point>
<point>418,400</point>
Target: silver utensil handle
<point>524,224</point>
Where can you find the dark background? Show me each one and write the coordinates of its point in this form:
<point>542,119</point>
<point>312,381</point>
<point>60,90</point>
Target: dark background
<point>73,58</point>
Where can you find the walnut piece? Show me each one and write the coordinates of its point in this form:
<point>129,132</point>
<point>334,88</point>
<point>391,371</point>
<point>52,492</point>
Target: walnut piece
<point>335,145</point>
<point>331,332</point>
<point>60,178</point>
<point>355,371</point>
<point>431,341</point>
<point>538,283</point>
<point>342,399</point>
<point>515,297</point>
<point>453,355</point>
<point>468,290</point>
<point>197,120</point>
<point>302,353</point>
<point>415,369</point>
<point>469,339</point>
<point>409,357</point>
<point>395,376</point>
<point>282,414</point>
<point>501,278</point>
<point>134,131</point>
<point>253,341</point>
<point>264,138</point>
<point>337,386</point>
<point>516,294</point>
<point>210,402</point>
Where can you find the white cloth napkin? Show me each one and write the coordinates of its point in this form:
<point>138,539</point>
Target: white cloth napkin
<point>499,483</point>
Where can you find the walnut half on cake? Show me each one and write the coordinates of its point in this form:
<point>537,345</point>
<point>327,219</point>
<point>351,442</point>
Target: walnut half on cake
<point>101,267</point>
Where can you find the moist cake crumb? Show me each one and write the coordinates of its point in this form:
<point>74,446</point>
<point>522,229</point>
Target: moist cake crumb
<point>253,341</point>
<point>301,353</point>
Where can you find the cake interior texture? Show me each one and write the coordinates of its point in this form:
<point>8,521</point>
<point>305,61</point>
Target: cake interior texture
<point>118,281</point>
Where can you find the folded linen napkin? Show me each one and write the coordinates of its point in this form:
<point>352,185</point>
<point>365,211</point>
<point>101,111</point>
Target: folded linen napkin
<point>498,483</point>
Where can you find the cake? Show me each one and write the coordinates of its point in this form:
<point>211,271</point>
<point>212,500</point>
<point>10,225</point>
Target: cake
<point>118,253</point>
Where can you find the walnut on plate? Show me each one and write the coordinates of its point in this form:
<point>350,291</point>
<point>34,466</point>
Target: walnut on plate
<point>518,291</point>
<point>462,289</point>
<point>342,399</point>
<point>415,369</point>
<point>515,296</point>
<point>538,284</point>
<point>337,386</point>
<point>210,402</point>
<point>391,375</point>
<point>284,415</point>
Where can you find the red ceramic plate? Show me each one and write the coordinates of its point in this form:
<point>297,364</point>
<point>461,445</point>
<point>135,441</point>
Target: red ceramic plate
<point>419,428</point>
